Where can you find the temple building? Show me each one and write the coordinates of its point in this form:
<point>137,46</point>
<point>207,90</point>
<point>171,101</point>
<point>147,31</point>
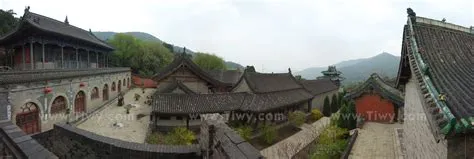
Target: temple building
<point>320,89</point>
<point>376,100</point>
<point>177,104</point>
<point>435,71</point>
<point>333,74</point>
<point>183,69</point>
<point>59,73</point>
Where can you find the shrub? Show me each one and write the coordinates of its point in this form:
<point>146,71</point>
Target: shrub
<point>316,114</point>
<point>297,118</point>
<point>245,131</point>
<point>331,143</point>
<point>155,138</point>
<point>180,136</point>
<point>326,107</point>
<point>269,133</point>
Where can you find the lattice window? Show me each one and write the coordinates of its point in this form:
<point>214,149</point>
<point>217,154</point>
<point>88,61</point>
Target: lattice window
<point>28,119</point>
<point>95,93</point>
<point>59,105</point>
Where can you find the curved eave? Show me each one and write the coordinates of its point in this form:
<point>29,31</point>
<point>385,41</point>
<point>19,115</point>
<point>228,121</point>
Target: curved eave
<point>183,61</point>
<point>371,83</point>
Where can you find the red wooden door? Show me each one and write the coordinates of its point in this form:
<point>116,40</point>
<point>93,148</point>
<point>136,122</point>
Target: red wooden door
<point>80,102</point>
<point>28,119</point>
<point>119,86</point>
<point>105,92</point>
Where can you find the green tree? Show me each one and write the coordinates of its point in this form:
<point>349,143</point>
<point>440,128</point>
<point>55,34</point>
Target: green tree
<point>334,103</point>
<point>144,57</point>
<point>209,61</point>
<point>327,107</point>
<point>347,118</point>
<point>298,77</point>
<point>297,118</point>
<point>269,133</point>
<point>7,21</point>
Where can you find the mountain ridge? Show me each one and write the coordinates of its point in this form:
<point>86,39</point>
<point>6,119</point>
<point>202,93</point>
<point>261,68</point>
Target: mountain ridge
<point>357,70</point>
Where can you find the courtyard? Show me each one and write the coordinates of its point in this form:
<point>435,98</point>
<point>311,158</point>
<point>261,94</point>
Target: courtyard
<point>114,122</point>
<point>376,140</point>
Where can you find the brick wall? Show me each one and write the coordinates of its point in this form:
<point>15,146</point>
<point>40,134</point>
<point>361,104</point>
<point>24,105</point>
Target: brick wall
<point>139,81</point>
<point>417,137</point>
<point>69,142</point>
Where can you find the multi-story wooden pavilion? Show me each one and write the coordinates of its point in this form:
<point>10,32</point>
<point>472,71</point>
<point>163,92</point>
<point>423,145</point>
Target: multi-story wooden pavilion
<point>58,73</point>
<point>40,42</point>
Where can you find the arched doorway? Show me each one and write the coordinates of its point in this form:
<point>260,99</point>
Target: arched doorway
<point>28,119</point>
<point>59,105</point>
<point>105,92</point>
<point>80,102</point>
<point>128,82</point>
<point>119,86</point>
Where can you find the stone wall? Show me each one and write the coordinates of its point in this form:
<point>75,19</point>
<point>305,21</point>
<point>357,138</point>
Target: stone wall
<point>68,88</point>
<point>69,142</point>
<point>318,101</point>
<point>417,137</point>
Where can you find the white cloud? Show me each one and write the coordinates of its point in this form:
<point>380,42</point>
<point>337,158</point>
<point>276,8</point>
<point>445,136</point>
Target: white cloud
<point>275,34</point>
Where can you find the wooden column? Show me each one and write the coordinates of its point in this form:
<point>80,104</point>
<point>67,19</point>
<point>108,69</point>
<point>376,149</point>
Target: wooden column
<point>96,59</point>
<point>77,58</point>
<point>62,56</point>
<point>32,62</point>
<point>43,59</point>
<point>23,58</point>
<point>88,60</point>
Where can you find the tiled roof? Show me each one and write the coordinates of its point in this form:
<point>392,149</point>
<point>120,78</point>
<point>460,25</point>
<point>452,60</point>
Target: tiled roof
<point>176,84</point>
<point>215,103</point>
<point>197,103</point>
<point>181,60</point>
<point>440,55</point>
<point>270,82</point>
<point>12,77</point>
<point>319,86</point>
<point>56,27</point>
<point>227,76</point>
<point>21,145</point>
<point>263,102</point>
<point>377,84</point>
<point>233,144</point>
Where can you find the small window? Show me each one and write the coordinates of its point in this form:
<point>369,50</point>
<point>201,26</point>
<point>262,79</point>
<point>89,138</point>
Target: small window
<point>95,93</point>
<point>164,118</point>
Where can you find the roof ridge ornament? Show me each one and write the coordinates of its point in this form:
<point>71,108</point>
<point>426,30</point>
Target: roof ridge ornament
<point>27,9</point>
<point>66,21</point>
<point>289,70</point>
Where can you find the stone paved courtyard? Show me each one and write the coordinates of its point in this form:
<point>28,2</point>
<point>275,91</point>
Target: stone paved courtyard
<point>133,130</point>
<point>376,141</point>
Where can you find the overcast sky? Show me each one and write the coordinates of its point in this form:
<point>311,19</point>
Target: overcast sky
<point>269,34</point>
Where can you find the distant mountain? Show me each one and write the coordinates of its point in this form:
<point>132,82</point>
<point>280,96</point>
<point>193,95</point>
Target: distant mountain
<point>356,70</point>
<point>173,48</point>
<point>139,35</point>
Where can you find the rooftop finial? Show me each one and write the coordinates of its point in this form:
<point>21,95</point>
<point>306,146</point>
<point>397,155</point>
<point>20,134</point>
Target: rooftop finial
<point>411,13</point>
<point>66,21</point>
<point>184,50</point>
<point>27,9</point>
<point>289,70</point>
<point>444,20</point>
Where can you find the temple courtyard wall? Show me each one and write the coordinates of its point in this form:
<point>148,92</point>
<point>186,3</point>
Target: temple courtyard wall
<point>35,93</point>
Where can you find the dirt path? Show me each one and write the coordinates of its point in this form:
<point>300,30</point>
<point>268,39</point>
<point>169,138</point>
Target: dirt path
<point>376,141</point>
<point>133,130</point>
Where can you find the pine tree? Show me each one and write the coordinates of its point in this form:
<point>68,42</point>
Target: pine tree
<point>326,107</point>
<point>352,120</point>
<point>334,104</point>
